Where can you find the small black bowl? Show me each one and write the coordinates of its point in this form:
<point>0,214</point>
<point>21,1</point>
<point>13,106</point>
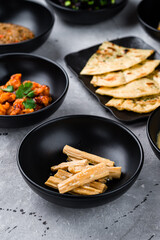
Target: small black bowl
<point>42,148</point>
<point>148,14</point>
<point>86,16</point>
<point>29,14</point>
<point>153,128</point>
<point>40,70</point>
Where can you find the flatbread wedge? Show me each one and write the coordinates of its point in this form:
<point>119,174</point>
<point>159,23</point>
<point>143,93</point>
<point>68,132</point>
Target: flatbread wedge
<point>155,76</point>
<point>141,105</point>
<point>138,88</point>
<point>123,77</point>
<point>111,57</point>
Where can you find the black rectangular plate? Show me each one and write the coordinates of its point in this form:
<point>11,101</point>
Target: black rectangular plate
<point>77,60</point>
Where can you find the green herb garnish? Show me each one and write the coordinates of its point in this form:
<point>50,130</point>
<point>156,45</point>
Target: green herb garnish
<point>29,104</point>
<point>86,4</point>
<point>67,3</point>
<point>90,2</point>
<point>30,94</point>
<point>9,88</point>
<point>25,90</point>
<point>103,2</point>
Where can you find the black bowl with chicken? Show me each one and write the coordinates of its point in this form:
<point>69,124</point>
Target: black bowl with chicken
<point>39,71</point>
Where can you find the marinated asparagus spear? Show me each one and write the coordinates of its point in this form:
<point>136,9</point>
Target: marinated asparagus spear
<point>65,165</point>
<point>73,152</point>
<point>84,190</point>
<point>114,172</point>
<point>84,177</point>
<point>97,185</point>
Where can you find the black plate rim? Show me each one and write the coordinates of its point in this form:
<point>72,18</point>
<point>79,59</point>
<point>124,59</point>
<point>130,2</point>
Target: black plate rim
<point>86,11</point>
<point>140,116</point>
<point>49,27</point>
<point>142,21</point>
<point>148,129</point>
<point>66,195</point>
<point>45,59</point>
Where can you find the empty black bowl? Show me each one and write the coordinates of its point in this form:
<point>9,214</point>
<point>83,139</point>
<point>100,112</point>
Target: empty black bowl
<point>86,16</point>
<point>42,148</point>
<point>40,70</point>
<point>153,128</point>
<point>29,14</point>
<point>148,14</point>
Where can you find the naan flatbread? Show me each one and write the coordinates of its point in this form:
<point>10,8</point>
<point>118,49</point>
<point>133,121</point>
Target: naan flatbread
<point>122,77</point>
<point>155,76</point>
<point>138,88</point>
<point>111,57</point>
<point>141,105</point>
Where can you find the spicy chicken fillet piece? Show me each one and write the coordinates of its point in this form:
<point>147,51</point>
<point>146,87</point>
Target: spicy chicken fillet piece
<point>18,108</point>
<point>15,81</point>
<point>39,89</point>
<point>7,97</point>
<point>4,108</point>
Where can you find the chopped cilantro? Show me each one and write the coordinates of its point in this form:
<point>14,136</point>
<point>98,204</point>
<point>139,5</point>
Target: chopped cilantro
<point>29,104</point>
<point>25,90</point>
<point>9,88</point>
<point>30,94</point>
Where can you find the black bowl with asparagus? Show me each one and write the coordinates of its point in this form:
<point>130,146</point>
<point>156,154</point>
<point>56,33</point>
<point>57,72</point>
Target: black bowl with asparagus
<point>80,161</point>
<point>86,11</point>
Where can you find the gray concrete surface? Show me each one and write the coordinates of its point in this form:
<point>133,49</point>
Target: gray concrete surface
<point>135,215</point>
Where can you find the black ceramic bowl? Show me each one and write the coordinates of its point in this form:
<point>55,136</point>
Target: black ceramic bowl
<point>86,16</point>
<point>40,70</point>
<point>29,14</point>
<point>148,14</point>
<point>42,148</point>
<point>153,128</point>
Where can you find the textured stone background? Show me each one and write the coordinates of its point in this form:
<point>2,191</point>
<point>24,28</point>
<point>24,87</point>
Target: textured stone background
<point>135,215</point>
